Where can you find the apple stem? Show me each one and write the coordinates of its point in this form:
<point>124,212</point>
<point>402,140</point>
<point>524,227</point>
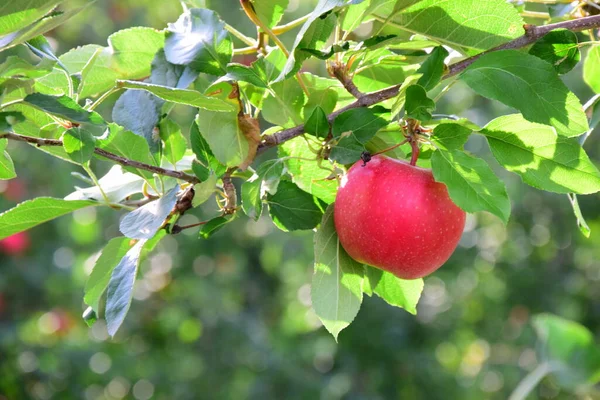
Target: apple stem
<point>415,152</point>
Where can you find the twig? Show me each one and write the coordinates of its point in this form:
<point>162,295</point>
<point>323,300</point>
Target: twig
<point>39,142</point>
<point>230,193</point>
<point>338,70</point>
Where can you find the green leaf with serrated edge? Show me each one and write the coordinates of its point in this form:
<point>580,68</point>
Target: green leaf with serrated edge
<point>418,105</point>
<point>400,100</point>
<point>310,176</point>
<point>384,140</point>
<point>292,208</point>
<point>472,184</point>
<point>110,257</point>
<point>359,13</point>
<point>543,159</point>
<point>451,135</point>
<point>174,143</point>
<point>127,144</point>
<point>382,75</point>
<point>34,212</point>
<point>199,39</point>
<point>283,104</point>
<point>180,96</point>
<point>591,69</point>
<point>79,143</point>
<point>64,107</point>
<point>270,11</point>
<point>530,85</point>
<point>213,226</point>
<point>559,48</point>
<point>326,99</point>
<point>347,151</point>
<point>120,288</point>
<point>266,179</point>
<point>317,123</point>
<point>569,349</point>
<point>433,68</point>
<point>15,66</point>
<point>362,123</point>
<point>317,83</point>
<point>313,34</point>
<point>395,291</point>
<point>7,168</point>
<point>144,222</point>
<point>470,24</point>
<point>16,15</point>
<point>337,285</point>
<point>204,189</point>
<point>222,132</point>
<point>13,90</point>
<point>581,224</point>
<point>244,73</point>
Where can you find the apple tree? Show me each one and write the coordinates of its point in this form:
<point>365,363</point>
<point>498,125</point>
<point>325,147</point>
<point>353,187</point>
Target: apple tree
<point>272,140</point>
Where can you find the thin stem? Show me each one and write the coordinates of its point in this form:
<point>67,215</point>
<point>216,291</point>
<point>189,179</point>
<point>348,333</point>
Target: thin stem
<point>535,15</point>
<point>248,40</point>
<point>245,50</point>
<point>390,148</point>
<point>104,96</point>
<point>91,174</point>
<point>69,82</point>
<point>278,30</point>
<point>526,386</point>
<point>249,10</point>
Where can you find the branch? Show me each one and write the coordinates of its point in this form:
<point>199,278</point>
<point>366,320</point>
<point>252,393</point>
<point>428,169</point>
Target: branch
<point>338,70</point>
<point>39,142</point>
<point>532,34</point>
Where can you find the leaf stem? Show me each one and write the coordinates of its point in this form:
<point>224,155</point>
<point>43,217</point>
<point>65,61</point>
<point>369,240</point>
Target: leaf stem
<point>278,30</point>
<point>526,386</point>
<point>248,40</point>
<point>91,174</point>
<point>104,96</point>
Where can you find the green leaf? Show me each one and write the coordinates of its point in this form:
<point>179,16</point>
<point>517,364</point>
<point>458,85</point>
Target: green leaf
<point>199,39</point>
<point>326,99</point>
<point>386,72</point>
<point>244,73</point>
<point>144,222</point>
<point>213,226</point>
<point>317,123</point>
<point>451,135</point>
<point>222,132</point>
<point>203,190</point>
<point>79,143</point>
<point>570,350</point>
<point>266,179</point>
<point>174,141</point>
<point>180,96</point>
<point>15,15</point>
<point>543,159</point>
<point>337,284</point>
<point>559,48</point>
<point>64,107</point>
<point>433,68</point>
<point>530,85</point>
<point>474,25</point>
<point>418,105</point>
<point>120,288</point>
<point>283,105</point>
<point>395,291</point>
<point>110,257</point>
<point>472,184</point>
<point>292,208</point>
<point>205,163</point>
<point>15,66</point>
<point>270,11</point>
<point>359,13</point>
<point>591,69</point>
<point>7,168</point>
<point>310,176</point>
<point>34,212</point>
<point>581,224</point>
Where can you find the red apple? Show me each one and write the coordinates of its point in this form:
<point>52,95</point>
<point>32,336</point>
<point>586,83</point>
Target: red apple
<point>396,217</point>
<point>16,244</point>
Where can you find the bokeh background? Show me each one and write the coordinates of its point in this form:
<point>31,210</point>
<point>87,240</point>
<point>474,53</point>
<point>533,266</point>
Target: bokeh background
<point>230,317</point>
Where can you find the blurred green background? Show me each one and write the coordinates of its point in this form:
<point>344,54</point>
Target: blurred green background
<point>230,317</point>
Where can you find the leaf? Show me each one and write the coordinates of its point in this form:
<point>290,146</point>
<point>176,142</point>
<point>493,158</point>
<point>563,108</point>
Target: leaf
<point>267,176</point>
<point>15,15</point>
<point>144,222</point>
<point>591,69</point>
<point>34,212</point>
<point>337,284</point>
<point>292,208</point>
<point>244,73</point>
<point>199,39</point>
<point>570,349</point>
<point>270,11</point>
<point>7,168</point>
<point>120,288</point>
<point>395,291</point>
<point>15,66</point>
<point>64,107</point>
<point>206,161</point>
<point>79,143</point>
<point>179,96</point>
<point>110,257</point>
<point>325,98</point>
<point>471,24</point>
<point>283,105</point>
<point>531,86</point>
<point>543,159</point>
<point>221,130</point>
<point>213,226</point>
<point>581,224</point>
<point>433,68</point>
<point>317,123</point>
<point>310,176</point>
<point>116,184</point>
<point>359,13</point>
<point>139,112</point>
<point>418,105</point>
<point>451,135</point>
<point>559,48</point>
<point>174,141</point>
<point>471,183</point>
<point>204,190</point>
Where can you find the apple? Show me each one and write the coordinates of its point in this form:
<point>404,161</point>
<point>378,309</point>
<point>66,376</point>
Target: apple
<point>16,244</point>
<point>396,217</point>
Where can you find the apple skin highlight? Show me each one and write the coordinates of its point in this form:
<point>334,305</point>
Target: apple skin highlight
<point>394,216</point>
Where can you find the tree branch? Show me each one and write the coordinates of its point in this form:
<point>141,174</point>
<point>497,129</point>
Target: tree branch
<point>39,142</point>
<point>532,34</point>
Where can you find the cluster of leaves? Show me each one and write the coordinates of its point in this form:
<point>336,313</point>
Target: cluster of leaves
<point>320,124</point>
